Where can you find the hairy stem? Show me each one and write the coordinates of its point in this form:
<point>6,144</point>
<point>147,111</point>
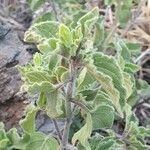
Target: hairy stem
<point>57,129</point>
<point>69,95</point>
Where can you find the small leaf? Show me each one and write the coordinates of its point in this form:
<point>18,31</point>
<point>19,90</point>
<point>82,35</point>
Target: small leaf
<point>65,35</point>
<point>41,102</point>
<point>145,132</point>
<point>17,142</point>
<point>41,87</point>
<point>99,32</point>
<point>84,133</point>
<point>54,61</point>
<point>39,141</point>
<point>35,4</point>
<point>103,117</point>
<point>131,68</point>
<point>128,84</point>
<point>54,103</point>
<point>82,76</point>
<point>107,84</point>
<point>28,124</point>
<point>102,98</point>
<point>48,46</point>
<point>38,76</point>
<point>88,20</point>
<point>37,59</point>
<point>48,16</point>
<point>106,145</point>
<point>41,31</point>
<point>4,141</point>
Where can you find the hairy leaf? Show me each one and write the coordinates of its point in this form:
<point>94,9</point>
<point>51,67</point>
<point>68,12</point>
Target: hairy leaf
<point>28,124</point>
<point>37,59</point>
<point>65,35</point>
<point>53,103</point>
<point>84,133</point>
<point>41,31</point>
<point>88,20</point>
<point>17,142</point>
<point>37,76</point>
<point>4,141</point>
<point>39,141</point>
<point>48,46</point>
<point>35,4</point>
<point>103,117</point>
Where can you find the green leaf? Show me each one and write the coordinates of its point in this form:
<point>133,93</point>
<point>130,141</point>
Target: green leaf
<point>136,144</point>
<point>54,61</point>
<point>4,141</point>
<point>98,142</point>
<point>28,124</point>
<point>48,16</point>
<point>37,59</point>
<point>41,102</point>
<point>54,103</point>
<point>85,80</point>
<point>41,31</point>
<point>122,49</point>
<point>103,117</point>
<point>102,98</point>
<point>124,15</point>
<point>84,133</point>
<point>39,141</point>
<point>145,132</point>
<point>37,76</point>
<point>35,4</point>
<point>88,20</point>
<point>106,145</point>
<point>59,71</point>
<point>48,46</point>
<point>131,68</point>
<point>106,70</point>
<point>77,35</point>
<point>17,142</point>
<point>108,65</point>
<point>81,77</point>
<point>65,35</point>
<point>99,32</point>
<point>128,84</point>
<point>41,87</point>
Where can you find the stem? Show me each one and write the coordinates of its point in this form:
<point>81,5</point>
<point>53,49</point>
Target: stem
<point>54,10</point>
<point>69,96</point>
<point>81,105</point>
<point>57,129</point>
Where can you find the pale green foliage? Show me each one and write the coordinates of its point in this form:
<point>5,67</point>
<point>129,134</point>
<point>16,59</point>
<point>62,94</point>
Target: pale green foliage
<point>84,133</point>
<point>103,117</point>
<point>40,141</point>
<point>28,124</point>
<point>41,31</point>
<point>123,10</point>
<point>65,35</point>
<point>102,88</point>
<point>35,4</point>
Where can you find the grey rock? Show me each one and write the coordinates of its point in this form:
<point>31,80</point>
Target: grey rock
<point>46,125</point>
<point>12,52</point>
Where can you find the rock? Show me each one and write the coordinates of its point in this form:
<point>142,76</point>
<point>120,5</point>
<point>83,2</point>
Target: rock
<point>12,52</point>
<point>46,125</point>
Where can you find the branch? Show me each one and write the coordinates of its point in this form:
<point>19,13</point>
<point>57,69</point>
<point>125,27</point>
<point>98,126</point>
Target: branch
<point>81,105</point>
<point>69,95</point>
<point>57,129</point>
